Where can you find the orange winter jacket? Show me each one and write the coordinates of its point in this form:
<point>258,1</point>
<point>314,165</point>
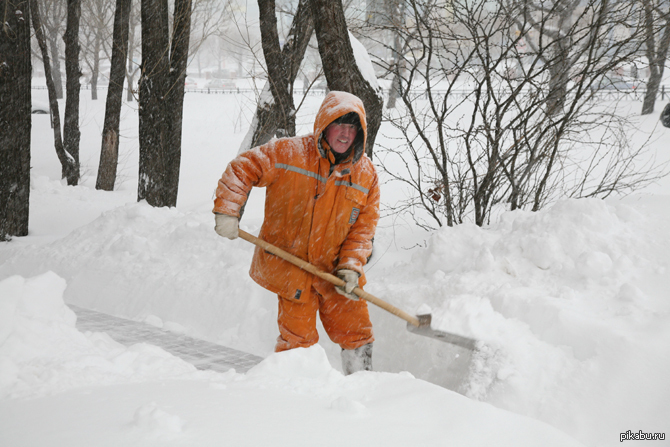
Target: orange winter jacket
<point>327,218</point>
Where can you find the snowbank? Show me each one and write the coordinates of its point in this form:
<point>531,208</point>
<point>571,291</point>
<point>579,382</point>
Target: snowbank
<point>137,261</point>
<point>153,398</point>
<point>569,304</point>
<point>42,352</point>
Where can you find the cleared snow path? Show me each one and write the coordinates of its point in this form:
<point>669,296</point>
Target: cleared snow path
<point>201,354</point>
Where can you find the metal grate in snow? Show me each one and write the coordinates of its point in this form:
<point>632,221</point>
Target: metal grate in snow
<point>202,354</point>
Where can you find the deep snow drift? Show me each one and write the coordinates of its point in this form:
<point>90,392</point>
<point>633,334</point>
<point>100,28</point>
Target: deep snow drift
<point>570,305</point>
<point>89,390</point>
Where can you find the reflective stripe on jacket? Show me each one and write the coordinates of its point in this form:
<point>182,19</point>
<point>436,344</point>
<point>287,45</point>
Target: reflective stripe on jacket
<point>328,219</point>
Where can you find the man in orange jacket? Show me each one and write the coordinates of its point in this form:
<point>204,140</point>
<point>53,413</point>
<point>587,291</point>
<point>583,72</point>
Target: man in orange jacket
<point>321,205</point>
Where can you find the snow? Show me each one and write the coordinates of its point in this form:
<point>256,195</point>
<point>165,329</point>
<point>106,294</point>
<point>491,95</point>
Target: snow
<point>566,304</point>
<point>54,378</point>
<point>364,63</point>
<point>570,305</point>
<point>43,353</point>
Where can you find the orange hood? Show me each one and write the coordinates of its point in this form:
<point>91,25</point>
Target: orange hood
<point>335,105</point>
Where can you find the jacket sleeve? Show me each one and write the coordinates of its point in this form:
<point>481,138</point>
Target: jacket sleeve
<point>254,167</point>
<point>357,247</point>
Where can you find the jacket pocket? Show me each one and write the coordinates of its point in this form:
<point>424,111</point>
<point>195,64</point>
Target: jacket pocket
<point>279,276</point>
<point>357,194</point>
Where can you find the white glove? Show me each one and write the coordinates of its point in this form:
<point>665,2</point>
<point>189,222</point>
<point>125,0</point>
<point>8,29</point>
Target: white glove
<point>227,226</point>
<point>351,279</point>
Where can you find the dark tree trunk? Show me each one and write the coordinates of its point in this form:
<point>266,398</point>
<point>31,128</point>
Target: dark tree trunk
<point>175,99</point>
<point>272,114</point>
<point>297,41</point>
<point>109,153</point>
<point>277,76</point>
<point>339,63</point>
<point>15,105</point>
<point>153,116</point>
<point>161,100</point>
<point>71,133</point>
<point>653,85</point>
<point>51,87</point>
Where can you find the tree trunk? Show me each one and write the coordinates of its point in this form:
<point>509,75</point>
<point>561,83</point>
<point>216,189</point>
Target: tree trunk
<point>161,100</point>
<point>269,112</point>
<point>51,88</point>
<point>55,57</point>
<point>340,65</point>
<point>131,70</point>
<point>15,119</point>
<point>71,133</point>
<point>653,85</point>
<point>656,55</point>
<point>397,16</point>
<point>277,76</point>
<point>109,153</point>
<point>560,46</point>
<point>558,81</point>
<point>53,18</point>
<point>153,117</point>
<point>96,68</point>
<point>175,98</point>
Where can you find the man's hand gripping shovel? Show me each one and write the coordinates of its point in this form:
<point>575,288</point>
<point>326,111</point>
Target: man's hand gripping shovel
<point>419,325</point>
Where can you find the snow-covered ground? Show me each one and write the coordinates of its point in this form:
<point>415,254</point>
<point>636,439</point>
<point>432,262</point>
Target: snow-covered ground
<point>571,306</point>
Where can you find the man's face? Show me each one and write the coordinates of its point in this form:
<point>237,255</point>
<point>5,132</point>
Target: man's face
<point>340,137</point>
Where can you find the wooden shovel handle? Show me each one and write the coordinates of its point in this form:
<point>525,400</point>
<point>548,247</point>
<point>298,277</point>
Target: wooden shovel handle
<point>328,277</point>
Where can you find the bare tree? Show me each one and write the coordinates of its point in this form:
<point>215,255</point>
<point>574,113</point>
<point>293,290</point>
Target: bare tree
<point>275,113</point>
<point>132,66</point>
<point>53,20</point>
<point>63,157</point>
<point>277,76</point>
<point>164,61</point>
<point>207,19</point>
<point>71,132</point>
<point>15,100</point>
<point>656,42</point>
<point>553,22</point>
<point>481,118</point>
<point>96,21</point>
<point>109,153</point>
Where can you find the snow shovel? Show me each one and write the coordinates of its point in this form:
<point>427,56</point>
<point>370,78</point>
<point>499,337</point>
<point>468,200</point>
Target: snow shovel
<point>418,325</point>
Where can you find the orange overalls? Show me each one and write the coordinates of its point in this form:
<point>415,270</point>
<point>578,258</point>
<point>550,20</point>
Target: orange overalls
<point>327,217</point>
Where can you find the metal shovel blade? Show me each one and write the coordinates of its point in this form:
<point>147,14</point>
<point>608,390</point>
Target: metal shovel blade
<point>424,329</point>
